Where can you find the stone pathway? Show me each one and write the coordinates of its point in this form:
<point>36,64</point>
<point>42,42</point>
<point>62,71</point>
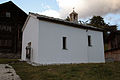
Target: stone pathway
<point>8,73</point>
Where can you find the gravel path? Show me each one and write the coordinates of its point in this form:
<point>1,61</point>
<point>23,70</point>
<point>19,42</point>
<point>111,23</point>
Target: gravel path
<point>8,73</point>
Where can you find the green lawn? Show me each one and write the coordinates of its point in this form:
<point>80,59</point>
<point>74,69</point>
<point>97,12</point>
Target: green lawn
<point>107,71</point>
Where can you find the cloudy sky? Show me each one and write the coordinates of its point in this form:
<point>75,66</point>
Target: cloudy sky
<point>109,9</point>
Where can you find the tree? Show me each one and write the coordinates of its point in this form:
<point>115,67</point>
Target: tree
<point>68,18</point>
<point>97,21</point>
<point>83,22</point>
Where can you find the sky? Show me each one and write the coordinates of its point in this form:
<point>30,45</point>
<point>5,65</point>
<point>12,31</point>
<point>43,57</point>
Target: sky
<point>108,9</point>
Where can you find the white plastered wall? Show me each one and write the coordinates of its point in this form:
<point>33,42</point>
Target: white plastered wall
<point>30,34</point>
<point>50,44</point>
<point>96,51</point>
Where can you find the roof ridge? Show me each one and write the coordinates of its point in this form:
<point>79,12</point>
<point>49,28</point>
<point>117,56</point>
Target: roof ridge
<point>6,2</point>
<point>61,21</point>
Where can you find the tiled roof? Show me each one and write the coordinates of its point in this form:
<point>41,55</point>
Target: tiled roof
<point>64,22</point>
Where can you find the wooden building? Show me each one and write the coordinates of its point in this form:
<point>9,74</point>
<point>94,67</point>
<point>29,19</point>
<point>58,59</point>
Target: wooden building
<point>113,42</point>
<point>12,19</point>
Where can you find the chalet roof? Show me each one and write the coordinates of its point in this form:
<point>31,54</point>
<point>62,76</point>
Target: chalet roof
<point>9,2</point>
<point>10,5</point>
<point>64,22</point>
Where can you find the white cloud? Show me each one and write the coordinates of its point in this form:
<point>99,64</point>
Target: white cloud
<point>45,7</point>
<point>87,8</point>
<point>51,13</point>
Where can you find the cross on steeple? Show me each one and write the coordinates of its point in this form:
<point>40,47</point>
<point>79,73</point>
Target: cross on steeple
<point>73,8</point>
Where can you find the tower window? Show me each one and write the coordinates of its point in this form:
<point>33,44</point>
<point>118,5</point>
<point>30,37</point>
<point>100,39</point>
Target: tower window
<point>64,42</point>
<point>89,40</point>
<point>74,17</point>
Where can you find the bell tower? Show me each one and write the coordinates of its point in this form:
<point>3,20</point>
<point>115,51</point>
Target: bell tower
<point>74,16</point>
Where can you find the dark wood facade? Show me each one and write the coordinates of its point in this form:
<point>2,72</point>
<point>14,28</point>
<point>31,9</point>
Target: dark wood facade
<point>113,42</point>
<point>12,19</point>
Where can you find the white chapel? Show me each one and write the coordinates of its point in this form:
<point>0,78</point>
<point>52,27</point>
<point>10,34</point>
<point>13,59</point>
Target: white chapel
<point>48,40</point>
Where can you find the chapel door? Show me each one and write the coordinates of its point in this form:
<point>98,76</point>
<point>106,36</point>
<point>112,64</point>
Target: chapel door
<point>28,51</point>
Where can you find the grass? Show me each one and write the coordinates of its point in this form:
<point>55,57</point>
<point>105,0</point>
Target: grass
<point>107,71</point>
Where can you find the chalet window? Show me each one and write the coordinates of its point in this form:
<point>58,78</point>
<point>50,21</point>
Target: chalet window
<point>8,28</point>
<point>5,28</point>
<point>9,43</point>
<point>64,43</point>
<point>89,40</point>
<point>8,14</point>
<point>113,43</point>
<point>6,43</point>
<point>2,14</point>
<point>2,42</point>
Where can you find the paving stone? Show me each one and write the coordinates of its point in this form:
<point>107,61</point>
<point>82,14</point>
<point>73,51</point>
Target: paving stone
<point>8,73</point>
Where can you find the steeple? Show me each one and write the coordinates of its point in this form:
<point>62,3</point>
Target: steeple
<point>74,16</point>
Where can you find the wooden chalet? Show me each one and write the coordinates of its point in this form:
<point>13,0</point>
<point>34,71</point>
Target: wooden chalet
<point>113,42</point>
<point>12,19</point>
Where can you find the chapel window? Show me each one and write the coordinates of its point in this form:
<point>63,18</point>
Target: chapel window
<point>64,42</point>
<point>89,40</point>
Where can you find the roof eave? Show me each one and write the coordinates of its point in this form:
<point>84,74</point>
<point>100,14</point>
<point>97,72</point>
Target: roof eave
<point>70,24</point>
